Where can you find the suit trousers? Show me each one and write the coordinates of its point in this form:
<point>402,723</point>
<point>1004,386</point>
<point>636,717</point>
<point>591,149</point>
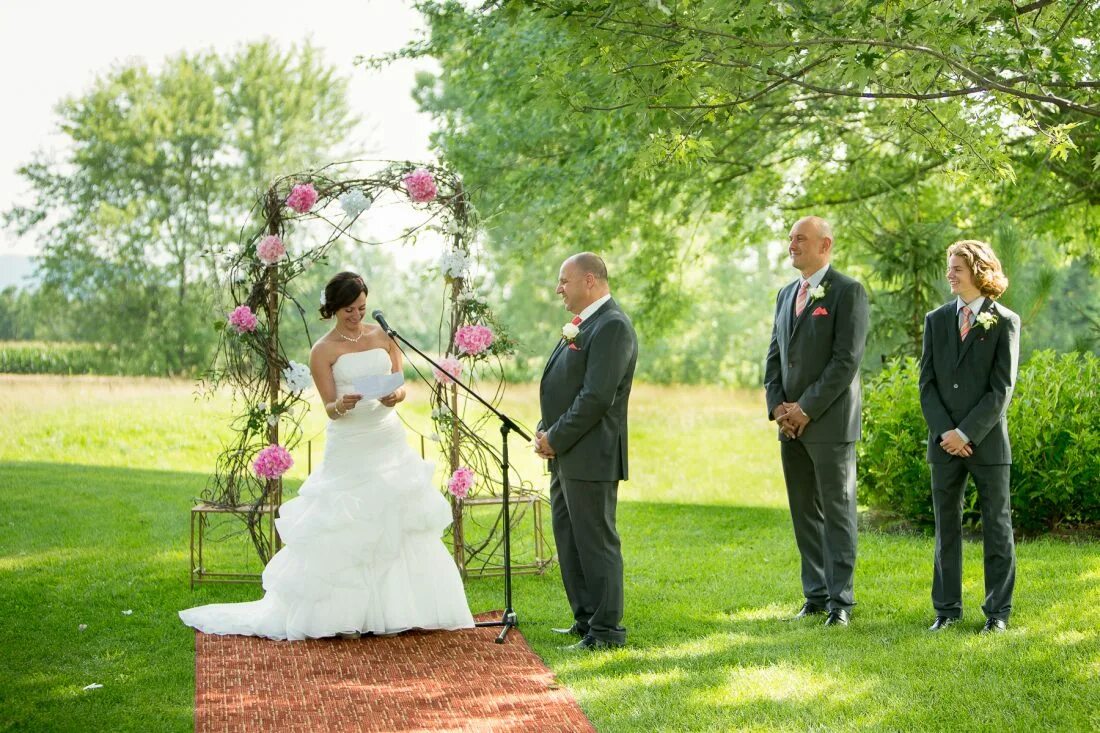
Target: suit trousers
<point>589,553</point>
<point>821,492</point>
<point>948,490</point>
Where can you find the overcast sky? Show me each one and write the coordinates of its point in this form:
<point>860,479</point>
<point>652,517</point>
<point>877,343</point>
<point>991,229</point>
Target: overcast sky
<point>51,49</point>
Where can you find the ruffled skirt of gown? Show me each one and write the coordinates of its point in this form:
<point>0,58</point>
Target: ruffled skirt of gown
<point>362,546</point>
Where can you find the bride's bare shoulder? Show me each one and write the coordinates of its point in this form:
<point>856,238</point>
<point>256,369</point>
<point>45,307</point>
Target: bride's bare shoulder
<point>324,350</point>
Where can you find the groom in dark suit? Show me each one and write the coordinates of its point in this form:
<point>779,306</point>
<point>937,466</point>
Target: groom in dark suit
<point>583,434</point>
<point>812,386</point>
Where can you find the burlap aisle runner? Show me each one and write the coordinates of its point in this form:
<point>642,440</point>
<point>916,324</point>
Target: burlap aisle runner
<point>417,681</point>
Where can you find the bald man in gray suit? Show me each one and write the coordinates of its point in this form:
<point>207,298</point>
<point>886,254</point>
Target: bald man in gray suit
<point>583,434</point>
<point>812,384</point>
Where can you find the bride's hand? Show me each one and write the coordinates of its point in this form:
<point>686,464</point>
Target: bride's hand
<point>347,401</point>
<point>398,395</point>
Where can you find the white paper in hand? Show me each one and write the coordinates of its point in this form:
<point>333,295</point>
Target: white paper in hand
<point>374,386</point>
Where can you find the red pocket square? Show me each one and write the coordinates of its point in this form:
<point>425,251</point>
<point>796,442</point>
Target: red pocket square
<point>820,311</point>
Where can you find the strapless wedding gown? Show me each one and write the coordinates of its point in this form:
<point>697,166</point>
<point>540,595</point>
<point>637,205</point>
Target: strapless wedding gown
<point>362,538</point>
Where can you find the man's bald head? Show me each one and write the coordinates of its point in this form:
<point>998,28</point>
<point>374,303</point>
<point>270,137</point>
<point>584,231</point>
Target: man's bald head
<point>819,225</point>
<point>587,262</point>
<point>811,244</point>
<point>582,281</point>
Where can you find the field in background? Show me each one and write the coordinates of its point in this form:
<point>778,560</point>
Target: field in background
<point>98,475</point>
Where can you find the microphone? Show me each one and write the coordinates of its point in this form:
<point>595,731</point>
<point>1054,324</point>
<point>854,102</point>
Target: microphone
<point>377,315</point>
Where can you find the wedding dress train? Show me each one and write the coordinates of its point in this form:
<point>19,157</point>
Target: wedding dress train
<point>362,538</point>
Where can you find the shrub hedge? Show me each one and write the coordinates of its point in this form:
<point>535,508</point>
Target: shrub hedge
<point>1053,422</point>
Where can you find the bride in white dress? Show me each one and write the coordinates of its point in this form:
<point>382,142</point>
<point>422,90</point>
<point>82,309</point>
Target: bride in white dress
<point>362,541</point>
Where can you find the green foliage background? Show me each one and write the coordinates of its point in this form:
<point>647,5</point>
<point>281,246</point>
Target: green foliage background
<point>1054,425</point>
<point>162,169</point>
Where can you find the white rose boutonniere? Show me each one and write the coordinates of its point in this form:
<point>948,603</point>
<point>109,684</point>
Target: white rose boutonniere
<point>569,332</point>
<point>986,320</point>
<point>817,293</point>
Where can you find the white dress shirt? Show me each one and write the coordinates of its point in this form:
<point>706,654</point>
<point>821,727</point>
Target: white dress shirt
<point>587,312</point>
<point>816,278</point>
<point>974,306</point>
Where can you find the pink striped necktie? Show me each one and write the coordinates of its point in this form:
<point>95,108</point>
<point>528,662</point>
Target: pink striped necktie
<point>576,320</point>
<point>803,296</point>
<point>964,327</point>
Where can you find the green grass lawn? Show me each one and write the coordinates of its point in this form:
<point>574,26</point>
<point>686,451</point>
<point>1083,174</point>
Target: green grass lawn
<point>97,477</point>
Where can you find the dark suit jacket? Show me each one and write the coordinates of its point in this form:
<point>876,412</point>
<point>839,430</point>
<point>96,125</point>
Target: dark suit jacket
<point>968,384</point>
<point>814,359</point>
<point>584,394</point>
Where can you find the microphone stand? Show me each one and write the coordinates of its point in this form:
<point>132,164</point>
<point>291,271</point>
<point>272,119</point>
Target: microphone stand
<point>508,620</point>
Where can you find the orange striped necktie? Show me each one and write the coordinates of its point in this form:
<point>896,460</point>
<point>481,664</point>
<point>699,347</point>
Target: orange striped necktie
<point>803,296</point>
<point>964,326</point>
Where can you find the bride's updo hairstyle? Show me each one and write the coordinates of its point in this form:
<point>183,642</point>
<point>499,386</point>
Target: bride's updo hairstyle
<point>340,292</point>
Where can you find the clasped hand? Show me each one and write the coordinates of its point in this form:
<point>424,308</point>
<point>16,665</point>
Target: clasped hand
<point>542,446</point>
<point>953,443</point>
<point>791,419</point>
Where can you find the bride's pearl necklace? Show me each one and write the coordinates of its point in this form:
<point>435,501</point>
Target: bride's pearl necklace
<point>348,338</point>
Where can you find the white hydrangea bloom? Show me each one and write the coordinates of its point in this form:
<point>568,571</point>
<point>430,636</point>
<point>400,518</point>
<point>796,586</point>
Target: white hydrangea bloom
<point>297,377</point>
<point>354,203</point>
<point>454,263</point>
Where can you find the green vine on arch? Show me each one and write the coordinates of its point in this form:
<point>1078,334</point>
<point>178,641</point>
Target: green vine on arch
<point>268,386</point>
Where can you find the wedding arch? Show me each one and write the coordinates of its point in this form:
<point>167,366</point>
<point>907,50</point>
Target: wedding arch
<point>268,386</point>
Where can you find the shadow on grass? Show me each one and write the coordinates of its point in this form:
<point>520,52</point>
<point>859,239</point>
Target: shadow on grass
<point>709,592</point>
<point>708,589</point>
<point>107,549</point>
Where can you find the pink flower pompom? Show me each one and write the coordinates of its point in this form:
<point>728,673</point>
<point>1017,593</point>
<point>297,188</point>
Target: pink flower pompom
<point>302,197</point>
<point>243,320</point>
<point>272,462</point>
<point>270,250</point>
<point>452,368</point>
<point>460,483</point>
<point>473,339</point>
<point>421,186</point>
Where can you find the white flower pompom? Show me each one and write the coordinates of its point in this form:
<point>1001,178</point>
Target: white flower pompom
<point>297,377</point>
<point>354,203</point>
<point>454,263</point>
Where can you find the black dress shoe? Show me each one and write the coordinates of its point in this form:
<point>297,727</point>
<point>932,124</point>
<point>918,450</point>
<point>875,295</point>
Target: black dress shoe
<point>994,626</point>
<point>942,622</point>
<point>573,630</point>
<point>809,609</point>
<point>591,644</point>
<point>838,617</point>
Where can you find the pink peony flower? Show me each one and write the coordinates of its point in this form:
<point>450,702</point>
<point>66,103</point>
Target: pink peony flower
<point>270,250</point>
<point>302,197</point>
<point>421,186</point>
<point>243,320</point>
<point>272,462</point>
<point>452,368</point>
<point>460,483</point>
<point>473,339</point>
